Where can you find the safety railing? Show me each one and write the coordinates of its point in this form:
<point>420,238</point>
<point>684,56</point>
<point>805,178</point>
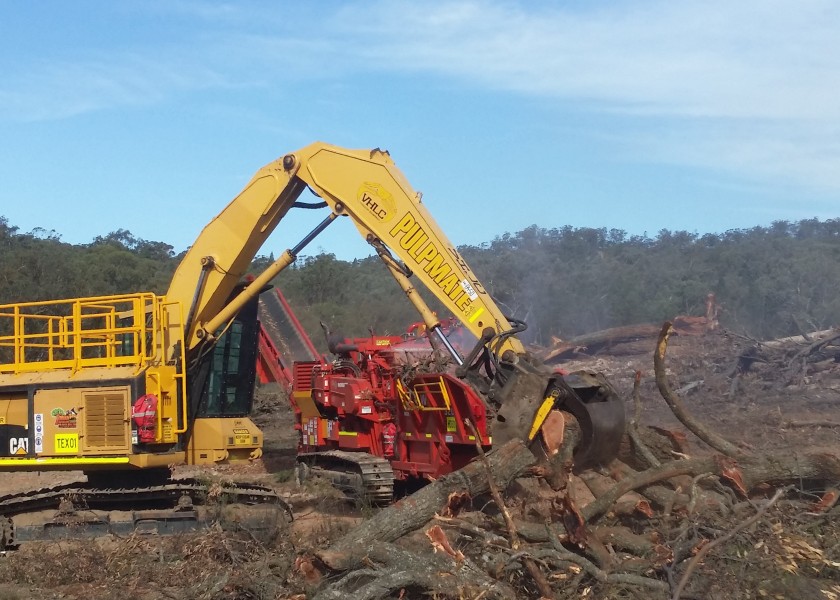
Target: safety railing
<point>106,331</point>
<point>425,395</point>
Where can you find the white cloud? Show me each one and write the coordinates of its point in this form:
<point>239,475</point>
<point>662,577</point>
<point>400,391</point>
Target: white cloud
<point>745,87</point>
<point>748,88</point>
<point>713,59</point>
<point>753,59</point>
<point>59,89</point>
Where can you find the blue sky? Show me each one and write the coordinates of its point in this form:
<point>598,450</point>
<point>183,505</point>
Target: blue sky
<point>647,115</point>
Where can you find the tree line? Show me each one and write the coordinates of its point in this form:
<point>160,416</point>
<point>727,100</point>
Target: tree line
<point>769,281</point>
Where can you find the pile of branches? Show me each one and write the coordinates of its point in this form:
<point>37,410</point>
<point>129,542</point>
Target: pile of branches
<point>642,526</point>
<point>795,358</point>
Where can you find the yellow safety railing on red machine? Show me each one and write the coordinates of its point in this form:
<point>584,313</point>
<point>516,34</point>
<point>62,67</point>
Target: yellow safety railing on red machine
<point>106,331</point>
<point>423,395</point>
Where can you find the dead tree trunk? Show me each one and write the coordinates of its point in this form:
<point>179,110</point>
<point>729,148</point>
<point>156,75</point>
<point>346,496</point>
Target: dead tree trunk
<point>676,405</point>
<point>506,463</point>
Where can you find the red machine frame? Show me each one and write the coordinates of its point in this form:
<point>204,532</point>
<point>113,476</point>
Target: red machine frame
<point>370,399</point>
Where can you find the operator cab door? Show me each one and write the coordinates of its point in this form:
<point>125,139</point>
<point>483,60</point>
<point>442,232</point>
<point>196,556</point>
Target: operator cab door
<point>222,384</point>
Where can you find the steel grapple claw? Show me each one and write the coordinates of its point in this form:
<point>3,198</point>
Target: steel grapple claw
<point>587,396</point>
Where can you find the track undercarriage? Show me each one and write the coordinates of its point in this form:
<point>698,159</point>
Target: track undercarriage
<point>81,510</point>
<point>358,474</point>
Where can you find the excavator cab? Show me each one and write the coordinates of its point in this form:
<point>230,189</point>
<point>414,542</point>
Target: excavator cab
<point>225,373</point>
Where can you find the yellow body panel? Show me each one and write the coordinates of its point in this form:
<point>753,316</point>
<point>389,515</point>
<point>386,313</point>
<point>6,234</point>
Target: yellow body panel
<point>382,204</point>
<point>82,421</point>
<point>223,440</point>
<point>306,404</point>
<point>139,461</point>
<point>88,376</point>
<point>13,409</point>
<point>144,461</point>
<point>44,464</point>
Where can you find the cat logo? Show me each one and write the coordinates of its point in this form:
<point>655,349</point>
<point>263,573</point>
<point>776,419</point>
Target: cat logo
<point>18,445</point>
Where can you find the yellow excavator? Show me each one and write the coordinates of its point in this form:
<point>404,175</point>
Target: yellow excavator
<point>124,387</point>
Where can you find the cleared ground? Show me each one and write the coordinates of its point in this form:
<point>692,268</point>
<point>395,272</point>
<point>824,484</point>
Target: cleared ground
<point>790,553</point>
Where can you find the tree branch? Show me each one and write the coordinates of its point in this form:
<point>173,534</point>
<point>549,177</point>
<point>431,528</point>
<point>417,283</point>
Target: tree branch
<point>695,560</point>
<point>602,575</point>
<point>676,404</point>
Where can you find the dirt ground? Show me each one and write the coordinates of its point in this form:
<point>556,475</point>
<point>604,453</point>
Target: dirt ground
<point>787,554</point>
<point>762,411</point>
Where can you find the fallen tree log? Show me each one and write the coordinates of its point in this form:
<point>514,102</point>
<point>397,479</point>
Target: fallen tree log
<point>506,463</point>
<point>743,471</point>
<point>776,469</point>
<point>790,353</point>
<point>494,558</point>
<point>815,337</point>
<point>593,343</point>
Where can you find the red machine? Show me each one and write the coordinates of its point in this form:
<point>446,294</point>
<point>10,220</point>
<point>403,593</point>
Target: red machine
<point>369,417</point>
<point>282,340</point>
<point>271,367</point>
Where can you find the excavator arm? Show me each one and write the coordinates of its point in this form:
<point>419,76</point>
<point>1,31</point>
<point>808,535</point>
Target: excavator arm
<point>367,186</point>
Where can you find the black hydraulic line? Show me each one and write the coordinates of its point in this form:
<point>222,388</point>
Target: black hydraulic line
<point>480,345</point>
<point>313,234</point>
<point>207,263</point>
<point>309,205</point>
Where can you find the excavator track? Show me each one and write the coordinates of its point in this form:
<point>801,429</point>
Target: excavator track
<point>354,473</point>
<point>78,510</point>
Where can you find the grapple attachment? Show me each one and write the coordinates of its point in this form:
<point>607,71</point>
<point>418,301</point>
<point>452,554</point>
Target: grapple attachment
<point>599,411</point>
<point>530,394</point>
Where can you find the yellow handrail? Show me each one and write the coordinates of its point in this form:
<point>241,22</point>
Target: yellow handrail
<point>103,331</point>
<point>182,358</point>
<point>412,399</point>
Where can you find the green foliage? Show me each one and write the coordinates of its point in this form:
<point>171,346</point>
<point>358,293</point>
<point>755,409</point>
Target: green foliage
<point>39,266</point>
<point>769,281</point>
<point>354,298</point>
